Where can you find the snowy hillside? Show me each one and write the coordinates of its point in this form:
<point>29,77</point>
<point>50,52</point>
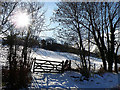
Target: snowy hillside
<point>68,79</point>
<point>93,47</point>
<point>61,56</point>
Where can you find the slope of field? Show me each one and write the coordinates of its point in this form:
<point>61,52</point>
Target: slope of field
<point>61,56</point>
<point>68,79</point>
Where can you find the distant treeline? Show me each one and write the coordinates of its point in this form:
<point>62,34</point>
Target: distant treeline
<point>48,44</point>
<point>53,46</point>
<point>32,42</point>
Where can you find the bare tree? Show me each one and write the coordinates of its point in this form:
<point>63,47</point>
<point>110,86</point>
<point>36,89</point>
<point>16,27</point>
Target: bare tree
<point>37,23</point>
<point>100,18</point>
<point>6,10</point>
<point>68,17</point>
<point>103,20</point>
<point>6,27</point>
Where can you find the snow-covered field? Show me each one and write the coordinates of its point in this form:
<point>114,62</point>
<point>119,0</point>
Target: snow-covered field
<point>71,79</point>
<point>62,56</point>
<point>68,79</point>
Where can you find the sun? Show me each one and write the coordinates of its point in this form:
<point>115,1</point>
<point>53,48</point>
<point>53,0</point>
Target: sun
<point>20,19</point>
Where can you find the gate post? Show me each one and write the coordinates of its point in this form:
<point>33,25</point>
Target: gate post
<point>34,60</point>
<point>69,65</point>
<point>62,66</point>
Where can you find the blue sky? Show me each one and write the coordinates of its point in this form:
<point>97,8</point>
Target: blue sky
<point>49,6</point>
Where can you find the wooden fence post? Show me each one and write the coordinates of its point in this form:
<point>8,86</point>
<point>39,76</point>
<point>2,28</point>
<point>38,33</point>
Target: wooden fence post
<point>34,60</point>
<point>94,67</point>
<point>69,65</point>
<point>31,62</point>
<point>62,66</point>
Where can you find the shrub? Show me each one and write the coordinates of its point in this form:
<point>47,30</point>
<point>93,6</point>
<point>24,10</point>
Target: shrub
<point>101,71</point>
<point>118,58</point>
<point>119,69</point>
<point>85,72</point>
<point>16,79</point>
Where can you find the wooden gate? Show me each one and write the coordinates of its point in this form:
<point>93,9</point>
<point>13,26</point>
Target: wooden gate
<point>47,66</point>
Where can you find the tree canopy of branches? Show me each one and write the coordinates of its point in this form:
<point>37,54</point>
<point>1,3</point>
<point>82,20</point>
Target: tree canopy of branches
<point>103,19</point>
<point>19,68</point>
<point>68,17</point>
<point>37,23</point>
<point>6,11</point>
<point>98,18</point>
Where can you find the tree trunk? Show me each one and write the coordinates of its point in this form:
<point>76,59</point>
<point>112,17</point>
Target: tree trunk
<point>110,64</point>
<point>104,65</point>
<point>25,49</point>
<point>116,67</point>
<point>110,61</point>
<point>103,59</point>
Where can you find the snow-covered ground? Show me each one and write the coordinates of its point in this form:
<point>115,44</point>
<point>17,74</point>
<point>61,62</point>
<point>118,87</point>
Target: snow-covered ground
<point>3,55</point>
<point>68,79</point>
<point>62,56</point>
<point>71,79</point>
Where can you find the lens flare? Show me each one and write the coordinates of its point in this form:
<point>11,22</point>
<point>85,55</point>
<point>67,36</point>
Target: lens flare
<point>20,19</point>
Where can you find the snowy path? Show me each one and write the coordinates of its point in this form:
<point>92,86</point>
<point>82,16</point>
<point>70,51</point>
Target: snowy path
<point>44,81</point>
<point>66,80</point>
